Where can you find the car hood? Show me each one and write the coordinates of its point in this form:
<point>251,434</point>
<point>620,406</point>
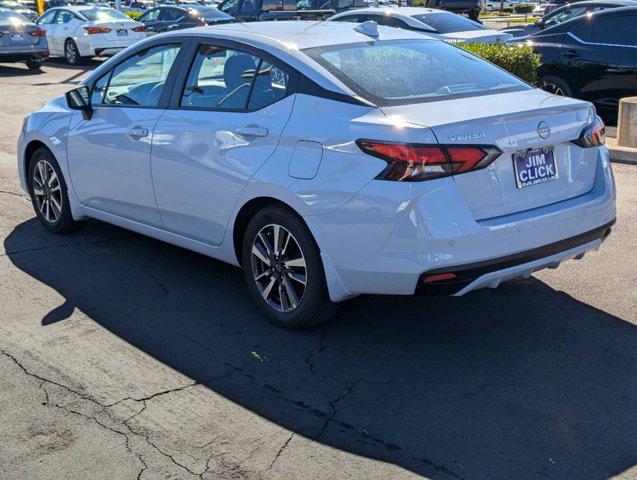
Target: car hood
<point>483,36</point>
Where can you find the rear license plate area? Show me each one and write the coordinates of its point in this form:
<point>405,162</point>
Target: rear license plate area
<point>122,33</point>
<point>534,166</point>
<point>16,37</point>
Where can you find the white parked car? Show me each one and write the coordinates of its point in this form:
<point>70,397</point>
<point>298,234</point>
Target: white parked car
<point>506,5</point>
<point>79,33</point>
<point>440,24</point>
<point>327,159</point>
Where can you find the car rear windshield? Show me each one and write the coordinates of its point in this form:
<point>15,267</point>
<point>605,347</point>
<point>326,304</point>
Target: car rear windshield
<point>399,72</point>
<point>209,13</point>
<point>12,18</point>
<point>103,14</point>
<point>449,22</point>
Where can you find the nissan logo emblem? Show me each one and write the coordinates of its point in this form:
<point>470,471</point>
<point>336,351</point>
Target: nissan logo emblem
<point>543,130</point>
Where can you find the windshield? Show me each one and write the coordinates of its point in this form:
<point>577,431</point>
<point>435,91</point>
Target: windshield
<point>449,22</point>
<point>399,72</point>
<point>209,13</point>
<point>103,14</point>
<point>12,18</point>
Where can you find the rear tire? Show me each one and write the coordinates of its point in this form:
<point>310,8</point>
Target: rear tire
<point>286,282</point>
<point>49,193</point>
<point>33,64</point>
<point>72,53</point>
<point>556,85</point>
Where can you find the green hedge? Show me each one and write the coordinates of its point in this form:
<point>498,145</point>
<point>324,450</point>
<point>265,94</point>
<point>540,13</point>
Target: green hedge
<point>518,59</point>
<point>133,15</point>
<point>523,8</point>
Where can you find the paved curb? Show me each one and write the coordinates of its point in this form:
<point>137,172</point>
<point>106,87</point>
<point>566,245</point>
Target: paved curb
<point>623,155</point>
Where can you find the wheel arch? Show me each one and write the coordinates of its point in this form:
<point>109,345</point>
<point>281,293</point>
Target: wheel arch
<point>29,150</point>
<point>245,214</point>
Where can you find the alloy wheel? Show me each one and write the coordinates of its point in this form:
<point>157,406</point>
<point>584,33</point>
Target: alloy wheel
<point>553,88</point>
<point>279,267</point>
<point>70,52</point>
<point>47,191</point>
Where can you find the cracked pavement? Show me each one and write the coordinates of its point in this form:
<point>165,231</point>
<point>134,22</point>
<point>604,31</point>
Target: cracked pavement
<point>122,357</point>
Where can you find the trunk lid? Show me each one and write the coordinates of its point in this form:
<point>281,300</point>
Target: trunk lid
<point>121,31</point>
<point>482,36</point>
<point>510,121</point>
<point>18,35</point>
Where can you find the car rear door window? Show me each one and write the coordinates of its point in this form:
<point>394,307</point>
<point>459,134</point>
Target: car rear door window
<point>620,30</point>
<point>64,16</point>
<point>171,15</point>
<point>139,80</point>
<point>219,79</point>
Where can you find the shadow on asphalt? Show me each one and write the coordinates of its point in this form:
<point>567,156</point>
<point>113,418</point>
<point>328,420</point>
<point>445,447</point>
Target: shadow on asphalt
<point>521,382</point>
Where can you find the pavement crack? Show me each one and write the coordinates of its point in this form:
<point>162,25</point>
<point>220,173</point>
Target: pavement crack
<point>333,408</point>
<point>278,454</point>
<point>15,194</point>
<point>309,360</point>
<point>63,245</point>
<point>126,431</point>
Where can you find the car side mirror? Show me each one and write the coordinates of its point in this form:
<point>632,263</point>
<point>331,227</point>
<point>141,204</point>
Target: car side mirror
<point>80,99</point>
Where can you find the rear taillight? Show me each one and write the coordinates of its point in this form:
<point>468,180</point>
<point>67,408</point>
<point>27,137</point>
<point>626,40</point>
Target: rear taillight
<point>202,24</point>
<point>413,162</point>
<point>38,33</point>
<point>593,135</point>
<point>141,28</point>
<point>96,30</point>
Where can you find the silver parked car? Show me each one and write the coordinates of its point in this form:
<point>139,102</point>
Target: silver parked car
<point>21,40</point>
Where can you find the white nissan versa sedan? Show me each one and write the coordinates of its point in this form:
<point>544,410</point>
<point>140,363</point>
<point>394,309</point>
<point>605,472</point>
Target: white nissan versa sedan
<point>327,159</point>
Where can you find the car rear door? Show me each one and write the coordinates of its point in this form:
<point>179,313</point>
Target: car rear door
<point>109,154</point>
<point>222,124</point>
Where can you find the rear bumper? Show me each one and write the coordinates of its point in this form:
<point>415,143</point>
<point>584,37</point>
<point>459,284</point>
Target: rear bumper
<point>388,237</point>
<point>21,53</point>
<point>490,273</point>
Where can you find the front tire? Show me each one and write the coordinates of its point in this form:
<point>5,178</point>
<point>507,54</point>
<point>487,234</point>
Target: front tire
<point>283,270</point>
<point>72,53</point>
<point>49,193</point>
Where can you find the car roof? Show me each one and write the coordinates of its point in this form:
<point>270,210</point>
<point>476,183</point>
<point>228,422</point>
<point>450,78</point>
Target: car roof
<point>298,34</point>
<point>405,11</point>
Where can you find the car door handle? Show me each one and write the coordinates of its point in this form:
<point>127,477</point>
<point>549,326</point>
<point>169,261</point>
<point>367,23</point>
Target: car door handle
<point>137,132</point>
<point>569,53</point>
<point>252,131</point>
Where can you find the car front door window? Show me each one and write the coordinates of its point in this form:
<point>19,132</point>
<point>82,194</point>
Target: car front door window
<point>139,81</point>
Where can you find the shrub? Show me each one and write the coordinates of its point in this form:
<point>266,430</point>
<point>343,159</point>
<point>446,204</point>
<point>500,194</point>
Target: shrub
<point>516,59</point>
<point>523,8</point>
<point>133,15</point>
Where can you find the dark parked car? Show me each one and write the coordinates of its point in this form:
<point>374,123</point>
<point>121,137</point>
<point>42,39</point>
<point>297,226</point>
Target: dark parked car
<point>21,40</point>
<point>254,10</point>
<point>592,57</point>
<point>565,13</point>
<point>174,17</point>
<point>470,7</point>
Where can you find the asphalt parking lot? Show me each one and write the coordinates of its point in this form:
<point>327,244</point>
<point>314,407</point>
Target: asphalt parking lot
<point>122,357</point>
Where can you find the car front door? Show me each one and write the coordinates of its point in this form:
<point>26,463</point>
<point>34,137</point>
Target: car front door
<point>224,121</point>
<point>63,29</point>
<point>109,154</point>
